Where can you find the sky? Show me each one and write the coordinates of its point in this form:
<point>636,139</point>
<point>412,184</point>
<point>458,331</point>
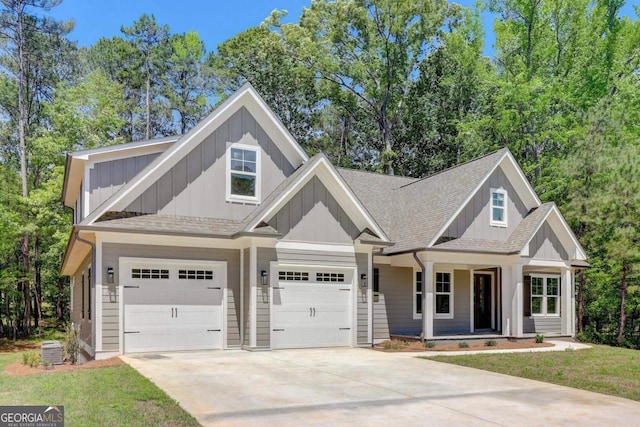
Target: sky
<point>214,20</point>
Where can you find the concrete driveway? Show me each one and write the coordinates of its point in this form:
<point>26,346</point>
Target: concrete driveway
<point>353,387</point>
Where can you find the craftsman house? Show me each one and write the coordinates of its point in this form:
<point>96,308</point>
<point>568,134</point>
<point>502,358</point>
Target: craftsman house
<point>230,236</point>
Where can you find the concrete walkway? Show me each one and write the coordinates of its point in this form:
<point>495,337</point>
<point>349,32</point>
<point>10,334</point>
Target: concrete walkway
<point>354,387</point>
<point>557,346</point>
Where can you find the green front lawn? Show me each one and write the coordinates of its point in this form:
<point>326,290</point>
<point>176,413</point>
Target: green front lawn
<point>114,396</point>
<point>602,369</point>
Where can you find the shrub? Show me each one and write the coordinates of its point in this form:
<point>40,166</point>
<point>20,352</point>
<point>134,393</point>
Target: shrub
<point>31,359</point>
<point>490,343</point>
<point>463,344</point>
<point>583,337</point>
<point>72,346</point>
<point>429,344</point>
<point>539,339</point>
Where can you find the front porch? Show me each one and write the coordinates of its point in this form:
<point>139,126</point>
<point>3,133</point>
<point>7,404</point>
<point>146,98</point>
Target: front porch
<point>514,298</point>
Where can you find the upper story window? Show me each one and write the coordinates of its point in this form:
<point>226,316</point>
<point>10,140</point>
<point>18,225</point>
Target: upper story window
<point>498,207</point>
<point>243,173</point>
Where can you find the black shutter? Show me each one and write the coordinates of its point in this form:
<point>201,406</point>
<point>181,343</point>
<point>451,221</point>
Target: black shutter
<point>527,296</point>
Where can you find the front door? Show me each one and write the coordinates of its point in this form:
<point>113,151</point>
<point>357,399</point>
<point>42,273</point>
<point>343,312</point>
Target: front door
<point>482,301</point>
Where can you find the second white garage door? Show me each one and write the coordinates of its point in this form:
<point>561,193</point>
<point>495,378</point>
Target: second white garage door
<point>312,308</point>
<point>173,306</point>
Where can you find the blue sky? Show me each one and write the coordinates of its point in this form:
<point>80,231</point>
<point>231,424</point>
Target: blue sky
<point>214,20</point>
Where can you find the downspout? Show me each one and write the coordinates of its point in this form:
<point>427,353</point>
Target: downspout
<point>424,293</point>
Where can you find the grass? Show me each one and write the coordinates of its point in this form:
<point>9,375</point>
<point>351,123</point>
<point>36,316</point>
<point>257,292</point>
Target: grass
<point>603,369</point>
<point>114,396</point>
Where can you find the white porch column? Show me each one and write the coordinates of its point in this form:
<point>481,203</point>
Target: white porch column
<point>253,294</point>
<point>506,292</point>
<point>566,296</point>
<point>427,300</point>
<point>517,300</point>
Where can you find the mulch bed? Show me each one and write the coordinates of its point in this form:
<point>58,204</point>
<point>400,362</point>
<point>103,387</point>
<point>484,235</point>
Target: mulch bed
<point>18,369</point>
<point>411,346</point>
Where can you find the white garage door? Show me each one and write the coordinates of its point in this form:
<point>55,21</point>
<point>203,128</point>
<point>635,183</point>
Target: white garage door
<point>312,308</point>
<point>170,306</point>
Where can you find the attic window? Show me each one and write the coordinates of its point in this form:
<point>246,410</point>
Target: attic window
<point>498,207</point>
<point>243,173</point>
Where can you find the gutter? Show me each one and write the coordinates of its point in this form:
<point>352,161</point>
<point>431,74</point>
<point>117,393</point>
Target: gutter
<point>424,294</point>
<point>93,256</point>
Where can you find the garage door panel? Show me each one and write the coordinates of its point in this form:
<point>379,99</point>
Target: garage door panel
<point>311,314</point>
<point>147,317</point>
<point>150,340</point>
<point>154,292</point>
<point>197,339</point>
<point>181,310</point>
<point>194,316</point>
<point>199,294</point>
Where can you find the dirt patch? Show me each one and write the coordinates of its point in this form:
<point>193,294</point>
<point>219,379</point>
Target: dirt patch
<point>17,369</point>
<point>10,346</point>
<point>408,346</point>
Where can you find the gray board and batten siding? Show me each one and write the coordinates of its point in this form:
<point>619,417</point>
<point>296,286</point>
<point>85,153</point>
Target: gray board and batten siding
<point>111,254</point>
<point>314,215</point>
<point>196,185</point>
<point>546,245</point>
<point>474,220</point>
<point>105,178</point>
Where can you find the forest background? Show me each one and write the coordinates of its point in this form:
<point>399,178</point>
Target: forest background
<point>394,86</point>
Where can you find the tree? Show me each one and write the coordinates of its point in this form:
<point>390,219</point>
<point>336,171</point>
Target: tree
<point>185,85</point>
<point>451,86</point>
<point>260,56</point>
<point>20,27</point>
<point>118,59</point>
<point>370,49</point>
<point>151,42</point>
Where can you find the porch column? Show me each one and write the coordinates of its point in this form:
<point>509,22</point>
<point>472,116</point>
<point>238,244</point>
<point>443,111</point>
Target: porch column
<point>506,292</point>
<point>253,294</point>
<point>517,300</point>
<point>427,300</point>
<point>566,296</point>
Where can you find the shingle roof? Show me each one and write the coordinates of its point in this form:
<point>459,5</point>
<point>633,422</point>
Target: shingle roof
<point>413,211</point>
<point>177,225</point>
<point>475,245</point>
<point>528,226</point>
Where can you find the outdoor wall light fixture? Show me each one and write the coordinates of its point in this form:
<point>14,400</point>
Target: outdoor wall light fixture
<point>264,277</point>
<point>363,280</point>
<point>110,275</point>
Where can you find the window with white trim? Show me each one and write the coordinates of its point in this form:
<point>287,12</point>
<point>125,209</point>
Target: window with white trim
<point>498,207</point>
<point>417,295</point>
<point>545,295</point>
<point>243,174</point>
<point>443,295</point>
